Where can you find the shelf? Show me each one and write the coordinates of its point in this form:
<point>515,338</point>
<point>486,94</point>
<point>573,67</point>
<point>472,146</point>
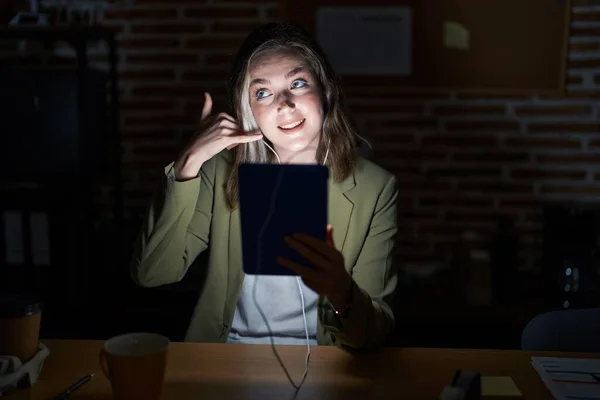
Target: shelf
<point>52,33</point>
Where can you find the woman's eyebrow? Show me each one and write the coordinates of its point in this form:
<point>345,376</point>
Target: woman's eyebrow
<point>258,81</point>
<point>295,71</point>
<point>289,74</point>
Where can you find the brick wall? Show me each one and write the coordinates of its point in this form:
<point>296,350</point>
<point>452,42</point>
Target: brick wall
<point>460,159</point>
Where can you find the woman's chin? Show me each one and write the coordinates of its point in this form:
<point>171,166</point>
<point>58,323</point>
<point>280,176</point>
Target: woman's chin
<point>297,147</point>
<point>299,142</point>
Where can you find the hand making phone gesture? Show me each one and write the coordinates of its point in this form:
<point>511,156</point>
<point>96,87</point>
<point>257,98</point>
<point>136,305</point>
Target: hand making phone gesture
<point>215,133</point>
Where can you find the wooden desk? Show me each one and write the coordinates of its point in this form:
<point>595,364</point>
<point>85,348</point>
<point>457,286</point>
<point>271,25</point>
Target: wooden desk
<point>225,371</point>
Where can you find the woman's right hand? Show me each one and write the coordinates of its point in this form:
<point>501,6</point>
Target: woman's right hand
<point>215,134</point>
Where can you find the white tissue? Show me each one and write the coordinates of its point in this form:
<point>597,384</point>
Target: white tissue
<point>14,373</point>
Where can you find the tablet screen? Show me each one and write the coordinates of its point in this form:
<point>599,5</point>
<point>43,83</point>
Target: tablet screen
<point>277,200</point>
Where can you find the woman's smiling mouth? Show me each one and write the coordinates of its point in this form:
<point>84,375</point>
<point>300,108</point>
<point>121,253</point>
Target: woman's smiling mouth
<point>293,125</point>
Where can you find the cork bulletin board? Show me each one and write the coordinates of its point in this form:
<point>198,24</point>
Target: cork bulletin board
<point>476,46</point>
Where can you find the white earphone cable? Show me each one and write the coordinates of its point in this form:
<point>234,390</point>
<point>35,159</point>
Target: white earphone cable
<point>255,286</point>
<point>279,160</point>
<point>274,152</point>
<point>254,289</point>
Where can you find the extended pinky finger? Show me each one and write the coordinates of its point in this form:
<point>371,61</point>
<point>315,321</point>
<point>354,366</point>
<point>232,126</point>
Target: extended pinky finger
<point>237,139</point>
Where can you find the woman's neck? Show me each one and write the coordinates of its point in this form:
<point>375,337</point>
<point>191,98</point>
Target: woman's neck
<point>307,156</point>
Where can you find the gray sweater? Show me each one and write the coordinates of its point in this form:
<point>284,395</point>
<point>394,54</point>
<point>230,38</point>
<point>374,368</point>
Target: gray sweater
<point>281,303</point>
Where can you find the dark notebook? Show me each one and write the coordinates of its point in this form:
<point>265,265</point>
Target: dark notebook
<point>278,200</point>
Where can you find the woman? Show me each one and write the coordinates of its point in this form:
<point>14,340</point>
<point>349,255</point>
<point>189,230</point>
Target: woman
<point>287,108</point>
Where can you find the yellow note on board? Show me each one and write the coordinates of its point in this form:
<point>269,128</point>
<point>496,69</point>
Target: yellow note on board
<point>499,386</point>
<point>456,36</point>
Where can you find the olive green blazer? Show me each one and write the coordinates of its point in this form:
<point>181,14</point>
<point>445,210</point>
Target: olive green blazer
<point>189,217</point>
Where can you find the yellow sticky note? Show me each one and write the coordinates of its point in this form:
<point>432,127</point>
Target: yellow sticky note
<point>499,386</point>
<point>456,36</point>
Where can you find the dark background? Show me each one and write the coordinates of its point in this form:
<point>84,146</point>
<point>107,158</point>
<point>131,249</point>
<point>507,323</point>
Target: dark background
<point>515,178</point>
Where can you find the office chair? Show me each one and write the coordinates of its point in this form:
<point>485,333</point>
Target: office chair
<point>564,330</point>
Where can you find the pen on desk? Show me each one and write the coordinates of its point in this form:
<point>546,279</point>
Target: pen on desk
<point>74,387</point>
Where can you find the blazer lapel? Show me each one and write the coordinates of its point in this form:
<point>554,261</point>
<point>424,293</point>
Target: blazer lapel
<point>234,256</point>
<point>236,273</point>
<point>340,209</point>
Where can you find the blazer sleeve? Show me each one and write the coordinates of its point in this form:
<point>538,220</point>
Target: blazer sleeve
<point>371,319</point>
<point>176,228</point>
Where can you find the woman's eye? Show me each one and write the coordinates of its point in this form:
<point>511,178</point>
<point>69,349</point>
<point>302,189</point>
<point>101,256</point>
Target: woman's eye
<point>298,84</point>
<point>261,93</point>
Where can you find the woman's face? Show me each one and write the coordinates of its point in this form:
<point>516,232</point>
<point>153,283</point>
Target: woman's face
<point>286,101</point>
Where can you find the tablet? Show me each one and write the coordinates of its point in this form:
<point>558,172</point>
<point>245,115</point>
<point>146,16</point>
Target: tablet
<point>277,200</point>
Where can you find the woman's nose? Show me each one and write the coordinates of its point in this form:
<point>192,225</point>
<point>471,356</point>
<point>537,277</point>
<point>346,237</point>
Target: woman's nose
<point>286,102</point>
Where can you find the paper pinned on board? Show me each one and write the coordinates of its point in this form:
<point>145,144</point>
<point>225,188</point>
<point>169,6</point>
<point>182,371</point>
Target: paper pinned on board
<point>366,40</point>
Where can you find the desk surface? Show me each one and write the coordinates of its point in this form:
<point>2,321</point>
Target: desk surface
<point>235,371</point>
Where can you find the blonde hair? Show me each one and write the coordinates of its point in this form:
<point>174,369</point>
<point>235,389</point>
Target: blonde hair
<point>337,134</point>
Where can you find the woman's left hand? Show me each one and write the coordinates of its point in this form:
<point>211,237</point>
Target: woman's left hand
<point>328,276</point>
